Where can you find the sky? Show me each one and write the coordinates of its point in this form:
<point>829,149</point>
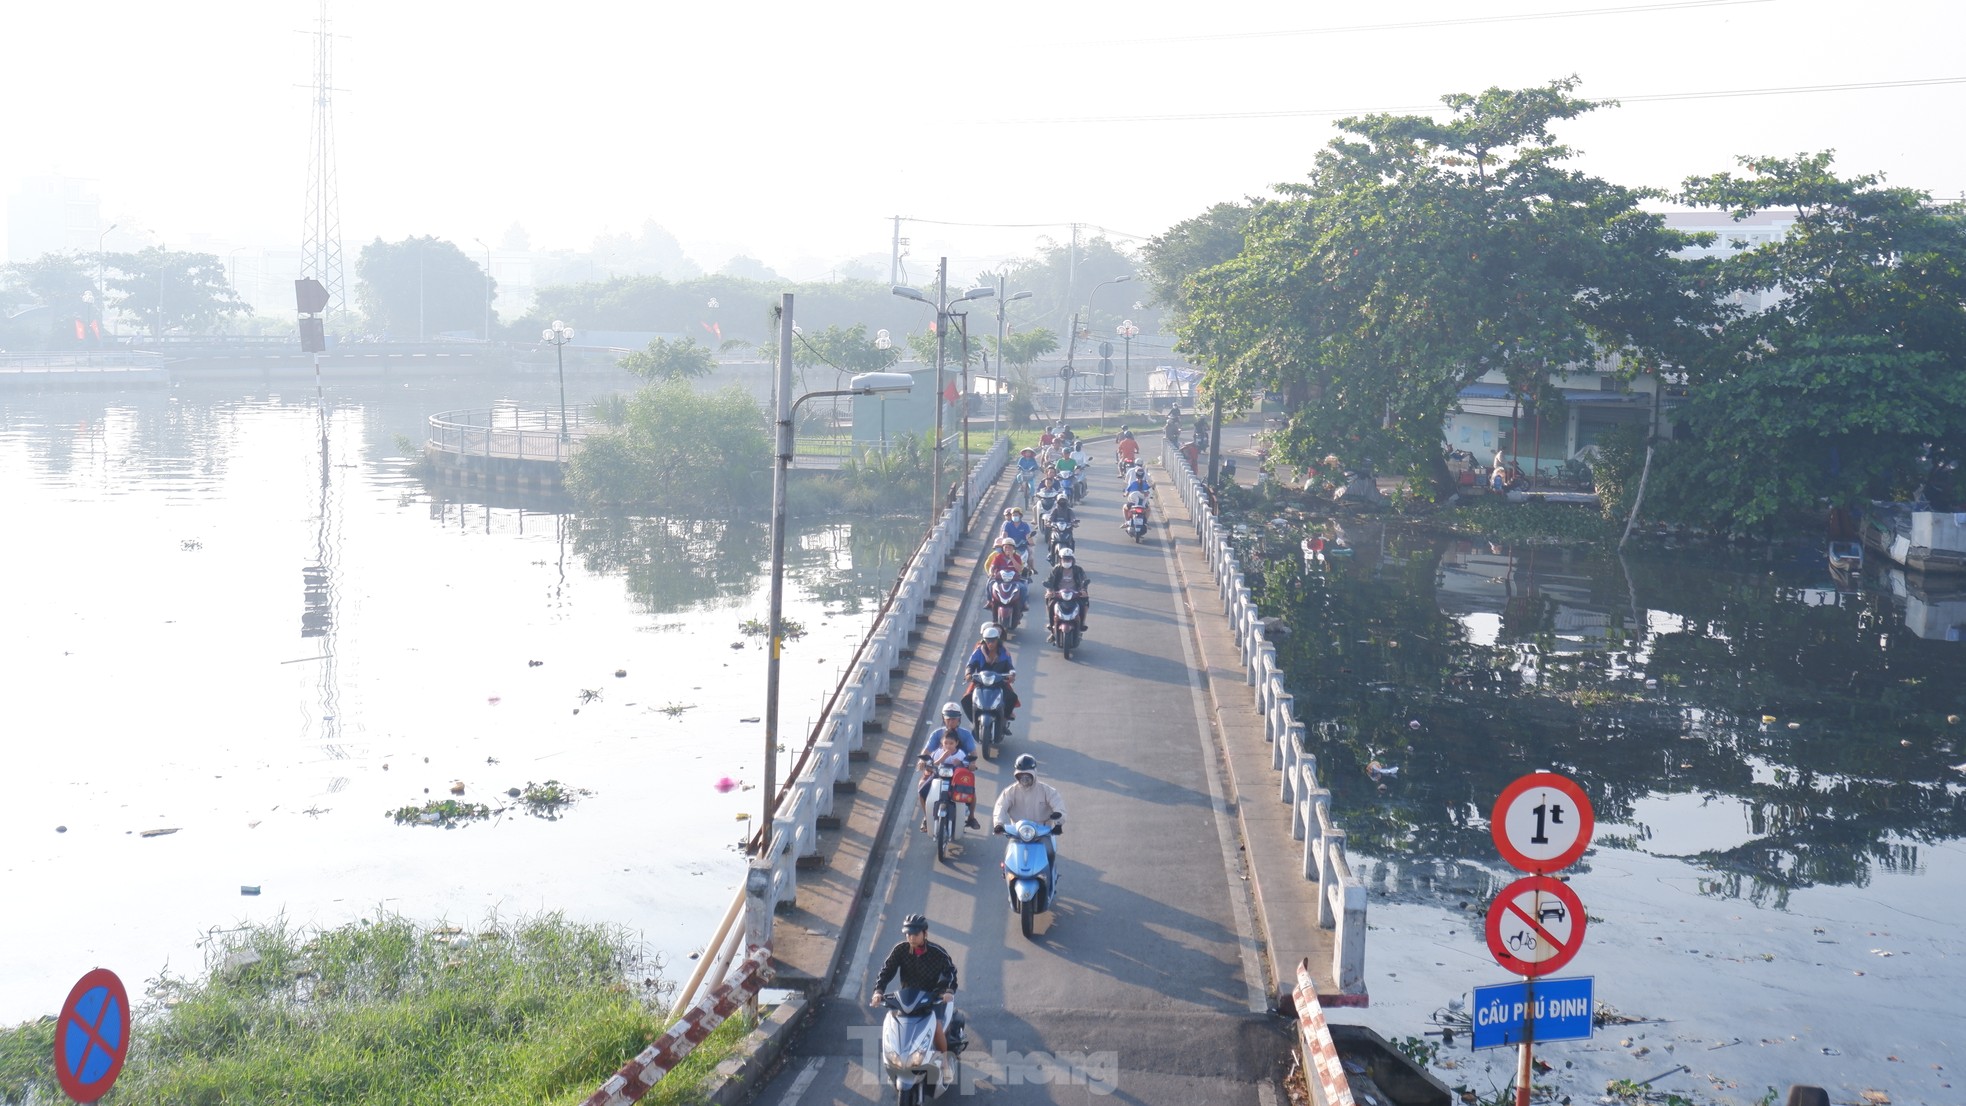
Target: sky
<point>794,132</point>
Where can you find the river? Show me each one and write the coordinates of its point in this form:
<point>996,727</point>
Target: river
<point>224,623</point>
<point>1777,761</point>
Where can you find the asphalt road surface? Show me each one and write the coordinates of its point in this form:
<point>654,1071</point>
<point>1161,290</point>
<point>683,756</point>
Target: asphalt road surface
<point>1144,984</point>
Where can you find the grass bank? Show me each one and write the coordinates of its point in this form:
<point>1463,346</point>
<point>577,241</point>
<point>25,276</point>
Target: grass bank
<point>389,1012</point>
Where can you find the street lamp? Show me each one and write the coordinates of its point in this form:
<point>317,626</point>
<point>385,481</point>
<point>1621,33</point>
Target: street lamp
<point>862,384</point>
<point>1066,374</point>
<point>487,250</point>
<point>1127,332</point>
<point>560,334</point>
<point>941,304</point>
<point>100,302</point>
<point>1003,305</point>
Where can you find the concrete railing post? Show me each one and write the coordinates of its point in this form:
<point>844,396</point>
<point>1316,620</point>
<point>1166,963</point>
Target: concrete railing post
<point>759,903</point>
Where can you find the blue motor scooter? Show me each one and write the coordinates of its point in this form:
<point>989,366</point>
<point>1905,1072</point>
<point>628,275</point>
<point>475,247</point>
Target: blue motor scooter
<point>1030,871</point>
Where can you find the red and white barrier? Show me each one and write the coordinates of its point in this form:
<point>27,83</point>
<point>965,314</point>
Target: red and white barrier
<point>699,1021</point>
<point>1322,1071</point>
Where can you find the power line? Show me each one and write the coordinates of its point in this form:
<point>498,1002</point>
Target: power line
<point>1652,97</point>
<point>1422,24</point>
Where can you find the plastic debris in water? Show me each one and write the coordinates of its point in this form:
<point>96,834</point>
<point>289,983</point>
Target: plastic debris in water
<point>492,699</point>
<point>725,785</point>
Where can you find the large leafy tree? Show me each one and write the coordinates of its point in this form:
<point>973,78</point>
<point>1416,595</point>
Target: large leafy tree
<point>1422,255</point>
<point>46,297</point>
<point>678,450</point>
<point>421,286</point>
<point>172,290</point>
<point>666,360</point>
<point>1851,381</point>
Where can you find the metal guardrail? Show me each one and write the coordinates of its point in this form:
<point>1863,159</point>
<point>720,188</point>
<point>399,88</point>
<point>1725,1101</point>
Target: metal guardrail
<point>508,433</point>
<point>83,359</point>
<point>1341,894</point>
<point>825,759</point>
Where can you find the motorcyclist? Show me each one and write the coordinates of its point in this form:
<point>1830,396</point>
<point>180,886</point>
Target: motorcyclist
<point>1027,467</point>
<point>1067,573</point>
<point>1066,465</point>
<point>1005,556</point>
<point>1126,449</point>
<point>923,965</point>
<point>1135,497</point>
<point>1050,490</point>
<point>1016,528</point>
<point>1081,466</point>
<point>1027,800</point>
<point>1062,518</point>
<point>990,653</point>
<point>1173,427</point>
<point>952,723</point>
<point>1136,481</point>
<point>948,752</point>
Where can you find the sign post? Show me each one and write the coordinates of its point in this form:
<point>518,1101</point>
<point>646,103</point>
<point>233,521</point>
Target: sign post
<point>92,1036</point>
<point>1541,824</point>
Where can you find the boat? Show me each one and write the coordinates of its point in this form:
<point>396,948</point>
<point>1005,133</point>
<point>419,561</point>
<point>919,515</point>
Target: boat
<point>1846,556</point>
<point>1921,540</point>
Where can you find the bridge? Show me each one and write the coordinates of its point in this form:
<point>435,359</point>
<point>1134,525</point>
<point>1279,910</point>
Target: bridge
<point>1185,907</point>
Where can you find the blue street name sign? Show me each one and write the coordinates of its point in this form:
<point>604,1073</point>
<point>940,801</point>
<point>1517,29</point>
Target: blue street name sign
<point>1563,1011</point>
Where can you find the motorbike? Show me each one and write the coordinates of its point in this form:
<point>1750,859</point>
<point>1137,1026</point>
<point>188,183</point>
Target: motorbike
<point>1007,601</point>
<point>1023,556</point>
<point>992,699</point>
<point>1078,485</point>
<point>1136,520</point>
<point>948,788</point>
<point>908,1046</point>
<point>1030,878</point>
<point>1065,620</point>
<point>1048,498</point>
<point>1061,537</point>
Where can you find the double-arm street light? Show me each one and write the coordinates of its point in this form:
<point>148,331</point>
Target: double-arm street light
<point>941,303</point>
<point>1127,332</point>
<point>862,384</point>
<point>560,334</point>
<point>1003,305</point>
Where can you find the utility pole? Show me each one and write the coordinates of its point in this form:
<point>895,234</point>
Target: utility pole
<point>941,334</point>
<point>894,258</point>
<point>962,465</point>
<point>1065,374</point>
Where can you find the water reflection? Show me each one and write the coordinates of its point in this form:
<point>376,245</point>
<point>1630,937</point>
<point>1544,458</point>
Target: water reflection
<point>1731,709</point>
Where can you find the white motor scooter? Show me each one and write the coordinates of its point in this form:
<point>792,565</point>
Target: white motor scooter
<point>908,1047</point>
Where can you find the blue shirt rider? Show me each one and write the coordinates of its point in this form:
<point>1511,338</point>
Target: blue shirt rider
<point>952,722</point>
<point>1017,530</point>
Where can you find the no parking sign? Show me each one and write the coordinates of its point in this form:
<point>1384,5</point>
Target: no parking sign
<point>92,1036</point>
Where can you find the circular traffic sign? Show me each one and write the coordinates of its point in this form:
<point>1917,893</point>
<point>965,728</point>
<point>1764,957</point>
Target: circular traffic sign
<point>92,1036</point>
<point>1542,822</point>
<point>1535,926</point>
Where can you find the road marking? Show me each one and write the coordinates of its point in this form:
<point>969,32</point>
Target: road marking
<point>799,1085</point>
<point>1252,967</point>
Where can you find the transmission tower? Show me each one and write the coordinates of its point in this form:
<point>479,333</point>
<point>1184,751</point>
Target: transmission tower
<point>320,244</point>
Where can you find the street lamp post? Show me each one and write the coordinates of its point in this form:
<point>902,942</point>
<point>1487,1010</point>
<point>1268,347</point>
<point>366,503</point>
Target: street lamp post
<point>1127,332</point>
<point>941,304</point>
<point>560,334</point>
<point>487,250</point>
<point>1003,305</point>
<point>1091,320</point>
<point>862,384</point>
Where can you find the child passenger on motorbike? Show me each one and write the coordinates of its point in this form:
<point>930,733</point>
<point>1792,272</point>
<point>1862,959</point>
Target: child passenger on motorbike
<point>949,753</point>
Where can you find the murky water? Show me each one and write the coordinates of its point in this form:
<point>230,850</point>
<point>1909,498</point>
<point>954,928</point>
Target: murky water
<point>1776,765</point>
<point>219,626</point>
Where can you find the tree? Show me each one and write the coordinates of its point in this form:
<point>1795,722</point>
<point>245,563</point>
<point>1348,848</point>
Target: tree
<point>1851,382</point>
<point>1215,237</point>
<point>1019,351</point>
<point>678,450</point>
<point>1422,255</point>
<point>173,291</point>
<point>666,360</point>
<point>49,296</point>
<point>420,287</point>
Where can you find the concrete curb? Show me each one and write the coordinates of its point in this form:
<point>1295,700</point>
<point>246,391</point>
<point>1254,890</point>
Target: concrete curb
<point>735,1078</point>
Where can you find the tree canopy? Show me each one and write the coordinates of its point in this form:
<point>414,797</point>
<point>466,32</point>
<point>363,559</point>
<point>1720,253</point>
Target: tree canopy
<point>172,291</point>
<point>666,360</point>
<point>420,287</point>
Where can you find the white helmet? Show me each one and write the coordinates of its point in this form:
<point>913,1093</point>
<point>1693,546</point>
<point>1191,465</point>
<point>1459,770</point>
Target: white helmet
<point>1066,554</point>
<point>991,631</point>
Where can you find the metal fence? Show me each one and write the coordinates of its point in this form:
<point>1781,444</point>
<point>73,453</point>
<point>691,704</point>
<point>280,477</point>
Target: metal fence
<point>1341,894</point>
<point>509,432</point>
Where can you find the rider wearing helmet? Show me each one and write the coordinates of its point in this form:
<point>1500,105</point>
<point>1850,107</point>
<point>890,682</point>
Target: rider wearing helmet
<point>1027,800</point>
<point>952,723</point>
<point>922,965</point>
<point>1016,529</point>
<point>990,653</point>
<point>1004,557</point>
<point>1126,449</point>
<point>1067,573</point>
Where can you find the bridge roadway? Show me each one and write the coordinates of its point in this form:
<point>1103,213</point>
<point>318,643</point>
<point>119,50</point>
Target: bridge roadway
<point>1145,984</point>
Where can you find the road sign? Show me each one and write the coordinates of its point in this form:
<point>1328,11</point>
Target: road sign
<point>1105,349</point>
<point>1535,926</point>
<point>92,1036</point>
<point>1563,1011</point>
<point>1542,822</point>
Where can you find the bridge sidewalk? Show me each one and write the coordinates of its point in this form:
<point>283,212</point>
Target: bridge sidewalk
<point>1286,902</point>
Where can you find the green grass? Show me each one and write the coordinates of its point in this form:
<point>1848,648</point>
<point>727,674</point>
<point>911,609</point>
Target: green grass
<point>390,1013</point>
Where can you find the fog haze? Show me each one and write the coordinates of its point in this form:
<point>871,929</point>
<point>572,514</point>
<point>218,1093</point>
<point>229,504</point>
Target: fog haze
<point>792,133</point>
